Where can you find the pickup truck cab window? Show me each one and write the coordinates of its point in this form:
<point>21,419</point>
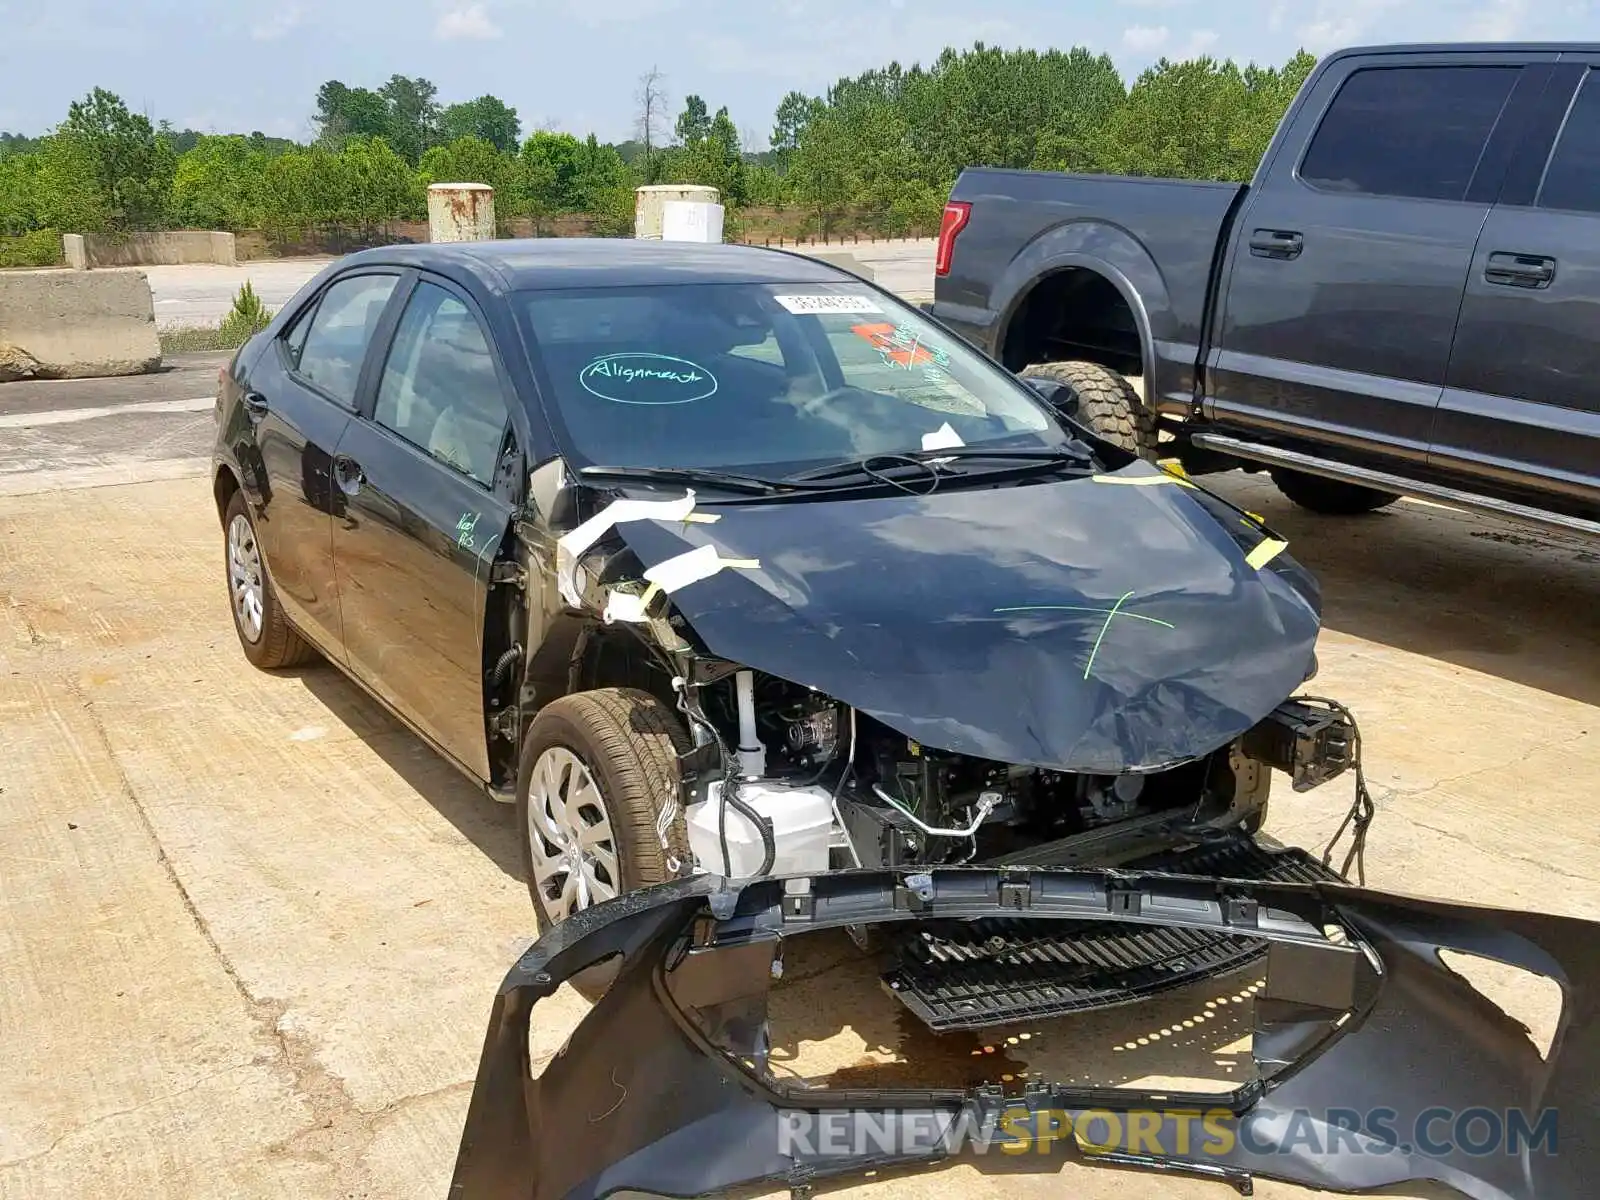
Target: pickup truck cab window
<point>439,389</point>
<point>1408,131</point>
<point>1572,180</point>
<point>339,333</point>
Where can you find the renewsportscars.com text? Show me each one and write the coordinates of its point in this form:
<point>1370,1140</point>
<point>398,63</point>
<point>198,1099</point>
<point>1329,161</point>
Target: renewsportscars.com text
<point>1188,1133</point>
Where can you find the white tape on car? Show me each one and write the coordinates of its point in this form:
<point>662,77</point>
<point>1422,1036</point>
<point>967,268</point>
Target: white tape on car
<point>693,566</point>
<point>572,546</point>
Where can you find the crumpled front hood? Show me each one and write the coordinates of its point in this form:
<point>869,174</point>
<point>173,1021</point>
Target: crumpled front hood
<point>1099,624</point>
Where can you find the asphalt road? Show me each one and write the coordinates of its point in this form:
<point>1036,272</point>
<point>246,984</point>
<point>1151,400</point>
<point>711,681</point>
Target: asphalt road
<point>65,434</point>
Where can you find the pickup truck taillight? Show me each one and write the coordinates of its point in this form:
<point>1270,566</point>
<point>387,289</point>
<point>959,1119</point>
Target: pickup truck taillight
<point>955,220</point>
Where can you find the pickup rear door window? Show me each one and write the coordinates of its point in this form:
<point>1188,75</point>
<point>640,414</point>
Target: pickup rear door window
<point>1414,132</point>
<point>1572,180</point>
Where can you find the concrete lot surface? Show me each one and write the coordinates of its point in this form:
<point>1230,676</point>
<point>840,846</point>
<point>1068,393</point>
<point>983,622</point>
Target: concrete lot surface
<point>251,928</point>
<point>200,294</point>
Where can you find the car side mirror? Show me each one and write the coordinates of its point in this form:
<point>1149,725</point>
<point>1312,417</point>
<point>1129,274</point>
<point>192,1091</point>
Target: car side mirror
<point>1061,397</point>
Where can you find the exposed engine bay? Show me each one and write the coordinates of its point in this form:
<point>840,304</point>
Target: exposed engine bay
<point>894,802</point>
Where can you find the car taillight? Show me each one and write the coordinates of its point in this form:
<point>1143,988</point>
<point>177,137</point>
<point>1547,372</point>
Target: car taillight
<point>955,219</point>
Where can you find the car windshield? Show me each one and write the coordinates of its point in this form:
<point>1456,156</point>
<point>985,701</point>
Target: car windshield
<point>766,378</point>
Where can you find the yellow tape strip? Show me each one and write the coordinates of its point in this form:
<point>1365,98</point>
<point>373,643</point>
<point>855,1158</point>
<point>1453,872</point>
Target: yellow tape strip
<point>1266,552</point>
<point>700,518</point>
<point>1173,467</point>
<point>1141,480</point>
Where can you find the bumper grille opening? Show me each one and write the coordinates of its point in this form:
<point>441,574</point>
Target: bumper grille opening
<point>976,974</point>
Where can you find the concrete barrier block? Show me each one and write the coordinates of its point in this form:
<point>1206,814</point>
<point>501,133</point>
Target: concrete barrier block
<point>74,252</point>
<point>80,324</point>
<point>172,247</point>
<point>842,259</point>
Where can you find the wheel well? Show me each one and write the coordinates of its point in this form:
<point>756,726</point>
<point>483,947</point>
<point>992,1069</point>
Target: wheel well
<point>1074,314</point>
<point>223,488</point>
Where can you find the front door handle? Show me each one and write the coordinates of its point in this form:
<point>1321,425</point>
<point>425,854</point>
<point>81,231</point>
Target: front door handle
<point>1276,243</point>
<point>256,404</point>
<point>1520,270</point>
<point>347,474</point>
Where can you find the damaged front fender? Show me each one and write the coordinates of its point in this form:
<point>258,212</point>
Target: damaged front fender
<point>1374,1059</point>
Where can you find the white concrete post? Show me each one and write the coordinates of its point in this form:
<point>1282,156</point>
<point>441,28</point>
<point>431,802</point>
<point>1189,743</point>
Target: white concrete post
<point>460,212</point>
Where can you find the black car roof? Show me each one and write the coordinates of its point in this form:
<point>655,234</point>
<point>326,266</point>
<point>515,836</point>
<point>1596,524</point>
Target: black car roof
<point>524,264</point>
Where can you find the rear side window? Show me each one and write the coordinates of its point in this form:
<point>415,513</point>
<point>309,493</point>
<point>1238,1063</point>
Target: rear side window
<point>1416,132</point>
<point>340,332</point>
<point>439,390</point>
<point>1572,180</point>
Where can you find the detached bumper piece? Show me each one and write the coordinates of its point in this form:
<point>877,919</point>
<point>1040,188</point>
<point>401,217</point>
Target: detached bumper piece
<point>975,974</point>
<point>1377,1065</point>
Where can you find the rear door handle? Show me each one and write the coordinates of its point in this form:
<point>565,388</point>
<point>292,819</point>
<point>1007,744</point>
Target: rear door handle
<point>1520,270</point>
<point>347,474</point>
<point>1276,243</point>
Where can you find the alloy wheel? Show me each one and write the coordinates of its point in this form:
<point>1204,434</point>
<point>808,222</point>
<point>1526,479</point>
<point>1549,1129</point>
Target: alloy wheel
<point>573,850</point>
<point>245,583</point>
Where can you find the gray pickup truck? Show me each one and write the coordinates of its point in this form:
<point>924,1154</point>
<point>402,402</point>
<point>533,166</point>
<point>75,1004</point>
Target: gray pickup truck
<point>1404,301</point>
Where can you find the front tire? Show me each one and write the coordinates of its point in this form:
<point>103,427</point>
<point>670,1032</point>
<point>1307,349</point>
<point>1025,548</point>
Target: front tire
<point>597,771</point>
<point>1331,497</point>
<point>266,636</point>
<point>1107,404</point>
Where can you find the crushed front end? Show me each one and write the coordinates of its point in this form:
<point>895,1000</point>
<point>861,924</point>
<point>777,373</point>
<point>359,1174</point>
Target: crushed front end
<point>1374,1063</point>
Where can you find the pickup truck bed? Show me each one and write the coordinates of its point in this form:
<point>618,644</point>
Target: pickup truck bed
<point>1404,300</point>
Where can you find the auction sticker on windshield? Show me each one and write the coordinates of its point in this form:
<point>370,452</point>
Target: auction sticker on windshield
<point>647,379</point>
<point>804,305</point>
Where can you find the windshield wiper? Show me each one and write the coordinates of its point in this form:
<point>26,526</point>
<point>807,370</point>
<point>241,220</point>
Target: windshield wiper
<point>879,464</point>
<point>728,481</point>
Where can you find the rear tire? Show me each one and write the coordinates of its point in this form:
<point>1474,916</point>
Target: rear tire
<point>266,636</point>
<point>1330,497</point>
<point>1107,404</point>
<point>627,743</point>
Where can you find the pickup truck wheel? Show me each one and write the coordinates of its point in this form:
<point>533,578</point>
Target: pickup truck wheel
<point>1329,496</point>
<point>596,771</point>
<point>1107,404</point>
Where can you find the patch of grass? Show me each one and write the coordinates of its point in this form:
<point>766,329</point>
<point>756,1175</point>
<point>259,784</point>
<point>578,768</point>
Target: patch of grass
<point>245,319</point>
<point>195,338</point>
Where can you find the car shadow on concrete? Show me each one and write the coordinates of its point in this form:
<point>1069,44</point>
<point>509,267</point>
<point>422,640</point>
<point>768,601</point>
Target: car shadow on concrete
<point>1516,602</point>
<point>487,824</point>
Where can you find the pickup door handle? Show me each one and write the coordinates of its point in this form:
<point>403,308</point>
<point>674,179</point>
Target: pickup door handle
<point>1520,270</point>
<point>1276,243</point>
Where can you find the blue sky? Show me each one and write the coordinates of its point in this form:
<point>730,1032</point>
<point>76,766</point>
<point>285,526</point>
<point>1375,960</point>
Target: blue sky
<point>574,64</point>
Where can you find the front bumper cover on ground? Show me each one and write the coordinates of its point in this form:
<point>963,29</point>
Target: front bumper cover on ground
<point>1378,1064</point>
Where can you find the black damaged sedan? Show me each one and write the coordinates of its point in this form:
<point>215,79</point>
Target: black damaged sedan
<point>720,559</point>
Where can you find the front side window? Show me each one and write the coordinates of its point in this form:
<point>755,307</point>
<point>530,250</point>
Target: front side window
<point>754,375</point>
<point>340,331</point>
<point>439,389</point>
<point>1415,132</point>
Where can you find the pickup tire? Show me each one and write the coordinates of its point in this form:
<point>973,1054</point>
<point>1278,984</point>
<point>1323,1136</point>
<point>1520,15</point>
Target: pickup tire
<point>1329,496</point>
<point>1107,404</point>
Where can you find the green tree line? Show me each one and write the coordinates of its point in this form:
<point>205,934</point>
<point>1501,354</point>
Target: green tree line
<point>876,153</point>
